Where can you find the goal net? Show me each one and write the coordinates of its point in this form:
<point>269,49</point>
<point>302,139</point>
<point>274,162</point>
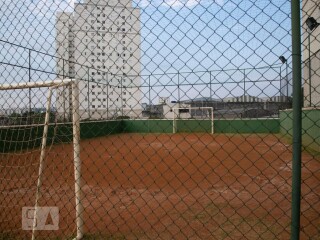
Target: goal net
<point>202,116</point>
<point>40,159</point>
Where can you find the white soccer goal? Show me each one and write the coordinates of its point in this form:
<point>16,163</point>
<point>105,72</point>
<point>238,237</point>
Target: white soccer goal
<point>198,113</point>
<point>30,113</point>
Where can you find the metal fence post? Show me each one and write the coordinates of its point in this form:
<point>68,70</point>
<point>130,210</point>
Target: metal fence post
<point>63,75</point>
<point>107,96</point>
<point>210,85</point>
<point>178,87</point>
<point>296,156</point>
<point>287,80</point>
<point>149,93</point>
<point>244,83</point>
<point>309,52</point>
<point>88,93</point>
<point>29,73</point>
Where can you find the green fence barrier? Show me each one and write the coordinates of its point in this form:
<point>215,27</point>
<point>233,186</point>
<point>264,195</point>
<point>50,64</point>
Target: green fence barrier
<point>20,138</point>
<point>28,137</point>
<point>310,127</point>
<point>220,126</point>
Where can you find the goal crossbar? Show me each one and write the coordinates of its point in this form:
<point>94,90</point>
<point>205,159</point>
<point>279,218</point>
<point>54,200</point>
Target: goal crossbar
<point>174,125</point>
<point>27,85</point>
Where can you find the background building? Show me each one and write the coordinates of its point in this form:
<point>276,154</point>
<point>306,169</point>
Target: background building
<point>311,54</point>
<point>99,44</point>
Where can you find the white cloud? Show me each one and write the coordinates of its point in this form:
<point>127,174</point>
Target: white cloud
<point>43,7</point>
<point>219,2</point>
<point>143,3</point>
<point>181,3</point>
<point>189,3</point>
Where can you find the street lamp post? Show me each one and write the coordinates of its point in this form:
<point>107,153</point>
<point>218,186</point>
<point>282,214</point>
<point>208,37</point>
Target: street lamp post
<point>285,61</point>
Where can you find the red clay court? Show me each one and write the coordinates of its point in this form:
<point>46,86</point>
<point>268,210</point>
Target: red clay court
<point>172,186</point>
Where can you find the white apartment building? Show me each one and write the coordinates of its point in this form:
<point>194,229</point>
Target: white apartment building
<point>99,45</point>
<point>311,85</point>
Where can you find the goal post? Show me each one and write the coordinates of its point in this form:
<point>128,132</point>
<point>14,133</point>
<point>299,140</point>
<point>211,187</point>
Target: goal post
<point>41,94</point>
<point>197,113</point>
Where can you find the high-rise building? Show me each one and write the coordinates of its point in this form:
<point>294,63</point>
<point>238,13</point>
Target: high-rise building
<point>311,53</point>
<point>99,45</point>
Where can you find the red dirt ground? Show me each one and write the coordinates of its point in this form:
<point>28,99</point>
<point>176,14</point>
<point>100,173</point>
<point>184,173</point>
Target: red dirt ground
<point>168,186</point>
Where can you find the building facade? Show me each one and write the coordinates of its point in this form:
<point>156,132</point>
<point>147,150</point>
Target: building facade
<point>311,54</point>
<point>99,45</point>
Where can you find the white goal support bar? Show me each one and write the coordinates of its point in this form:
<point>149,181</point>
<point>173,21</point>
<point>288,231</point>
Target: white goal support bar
<point>52,84</point>
<point>27,85</point>
<point>174,125</point>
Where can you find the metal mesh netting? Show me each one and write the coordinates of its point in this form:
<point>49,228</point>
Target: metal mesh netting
<point>166,119</point>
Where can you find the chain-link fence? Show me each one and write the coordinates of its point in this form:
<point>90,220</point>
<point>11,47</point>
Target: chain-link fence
<point>166,119</point>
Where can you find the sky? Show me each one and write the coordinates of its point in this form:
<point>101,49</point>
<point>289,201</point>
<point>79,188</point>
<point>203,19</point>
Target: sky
<point>177,36</point>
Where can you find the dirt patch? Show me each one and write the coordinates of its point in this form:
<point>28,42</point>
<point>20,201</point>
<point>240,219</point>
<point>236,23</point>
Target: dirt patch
<point>172,186</point>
